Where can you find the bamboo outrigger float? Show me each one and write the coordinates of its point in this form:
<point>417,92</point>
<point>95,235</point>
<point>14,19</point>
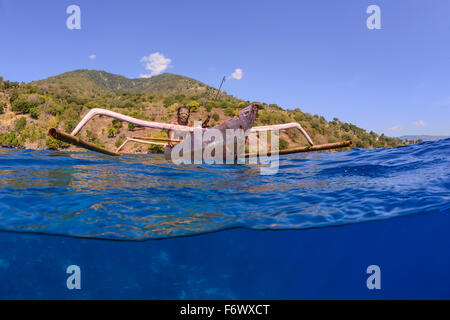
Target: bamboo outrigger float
<point>244,121</point>
<point>71,139</point>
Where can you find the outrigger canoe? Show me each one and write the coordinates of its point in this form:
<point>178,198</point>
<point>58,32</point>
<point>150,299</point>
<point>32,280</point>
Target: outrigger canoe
<point>244,121</point>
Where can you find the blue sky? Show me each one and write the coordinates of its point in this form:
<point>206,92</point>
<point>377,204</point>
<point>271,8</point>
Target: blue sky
<point>316,55</point>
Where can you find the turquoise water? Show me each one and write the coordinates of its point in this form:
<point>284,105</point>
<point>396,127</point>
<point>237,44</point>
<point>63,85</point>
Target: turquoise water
<point>60,208</point>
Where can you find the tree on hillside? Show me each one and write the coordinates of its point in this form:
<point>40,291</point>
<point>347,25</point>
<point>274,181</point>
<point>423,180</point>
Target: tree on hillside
<point>193,105</point>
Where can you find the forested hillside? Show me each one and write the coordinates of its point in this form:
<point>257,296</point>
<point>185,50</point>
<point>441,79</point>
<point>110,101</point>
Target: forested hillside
<point>28,110</point>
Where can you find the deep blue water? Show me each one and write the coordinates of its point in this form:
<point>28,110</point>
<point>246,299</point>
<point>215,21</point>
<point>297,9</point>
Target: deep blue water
<point>224,232</point>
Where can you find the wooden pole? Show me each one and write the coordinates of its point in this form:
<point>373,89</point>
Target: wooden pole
<point>62,136</point>
<point>158,139</point>
<point>317,147</point>
<point>140,141</point>
<point>223,80</point>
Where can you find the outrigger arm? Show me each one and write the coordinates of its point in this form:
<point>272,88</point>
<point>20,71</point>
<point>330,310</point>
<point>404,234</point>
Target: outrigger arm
<point>142,123</point>
<point>284,126</point>
<point>158,125</point>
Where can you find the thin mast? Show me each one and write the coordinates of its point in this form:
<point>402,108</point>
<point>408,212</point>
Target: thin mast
<point>220,87</point>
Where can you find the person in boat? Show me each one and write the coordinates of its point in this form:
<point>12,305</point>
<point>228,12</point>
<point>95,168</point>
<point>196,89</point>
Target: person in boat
<point>183,114</point>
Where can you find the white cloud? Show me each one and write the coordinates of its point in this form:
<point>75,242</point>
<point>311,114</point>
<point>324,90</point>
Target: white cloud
<point>398,127</point>
<point>419,123</point>
<point>237,74</point>
<point>156,63</point>
<point>92,56</point>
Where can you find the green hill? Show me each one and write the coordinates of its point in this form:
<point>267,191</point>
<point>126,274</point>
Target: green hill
<point>28,110</point>
<point>92,81</point>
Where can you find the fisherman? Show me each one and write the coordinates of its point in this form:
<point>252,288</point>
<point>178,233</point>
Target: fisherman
<point>183,114</point>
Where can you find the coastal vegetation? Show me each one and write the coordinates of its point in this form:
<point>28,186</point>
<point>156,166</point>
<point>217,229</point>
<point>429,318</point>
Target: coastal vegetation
<point>28,110</point>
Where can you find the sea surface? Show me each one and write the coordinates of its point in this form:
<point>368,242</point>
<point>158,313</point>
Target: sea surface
<point>142,228</point>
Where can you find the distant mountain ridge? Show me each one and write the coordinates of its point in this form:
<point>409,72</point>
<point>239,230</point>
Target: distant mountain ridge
<point>423,137</point>
<point>101,81</point>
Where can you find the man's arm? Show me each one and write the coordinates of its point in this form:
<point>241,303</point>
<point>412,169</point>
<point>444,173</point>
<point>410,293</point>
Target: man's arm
<point>171,133</point>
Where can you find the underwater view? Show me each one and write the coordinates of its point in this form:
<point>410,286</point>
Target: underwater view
<point>140,227</point>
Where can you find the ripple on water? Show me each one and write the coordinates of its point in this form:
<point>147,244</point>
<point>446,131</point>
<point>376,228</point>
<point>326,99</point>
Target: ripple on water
<point>138,197</point>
